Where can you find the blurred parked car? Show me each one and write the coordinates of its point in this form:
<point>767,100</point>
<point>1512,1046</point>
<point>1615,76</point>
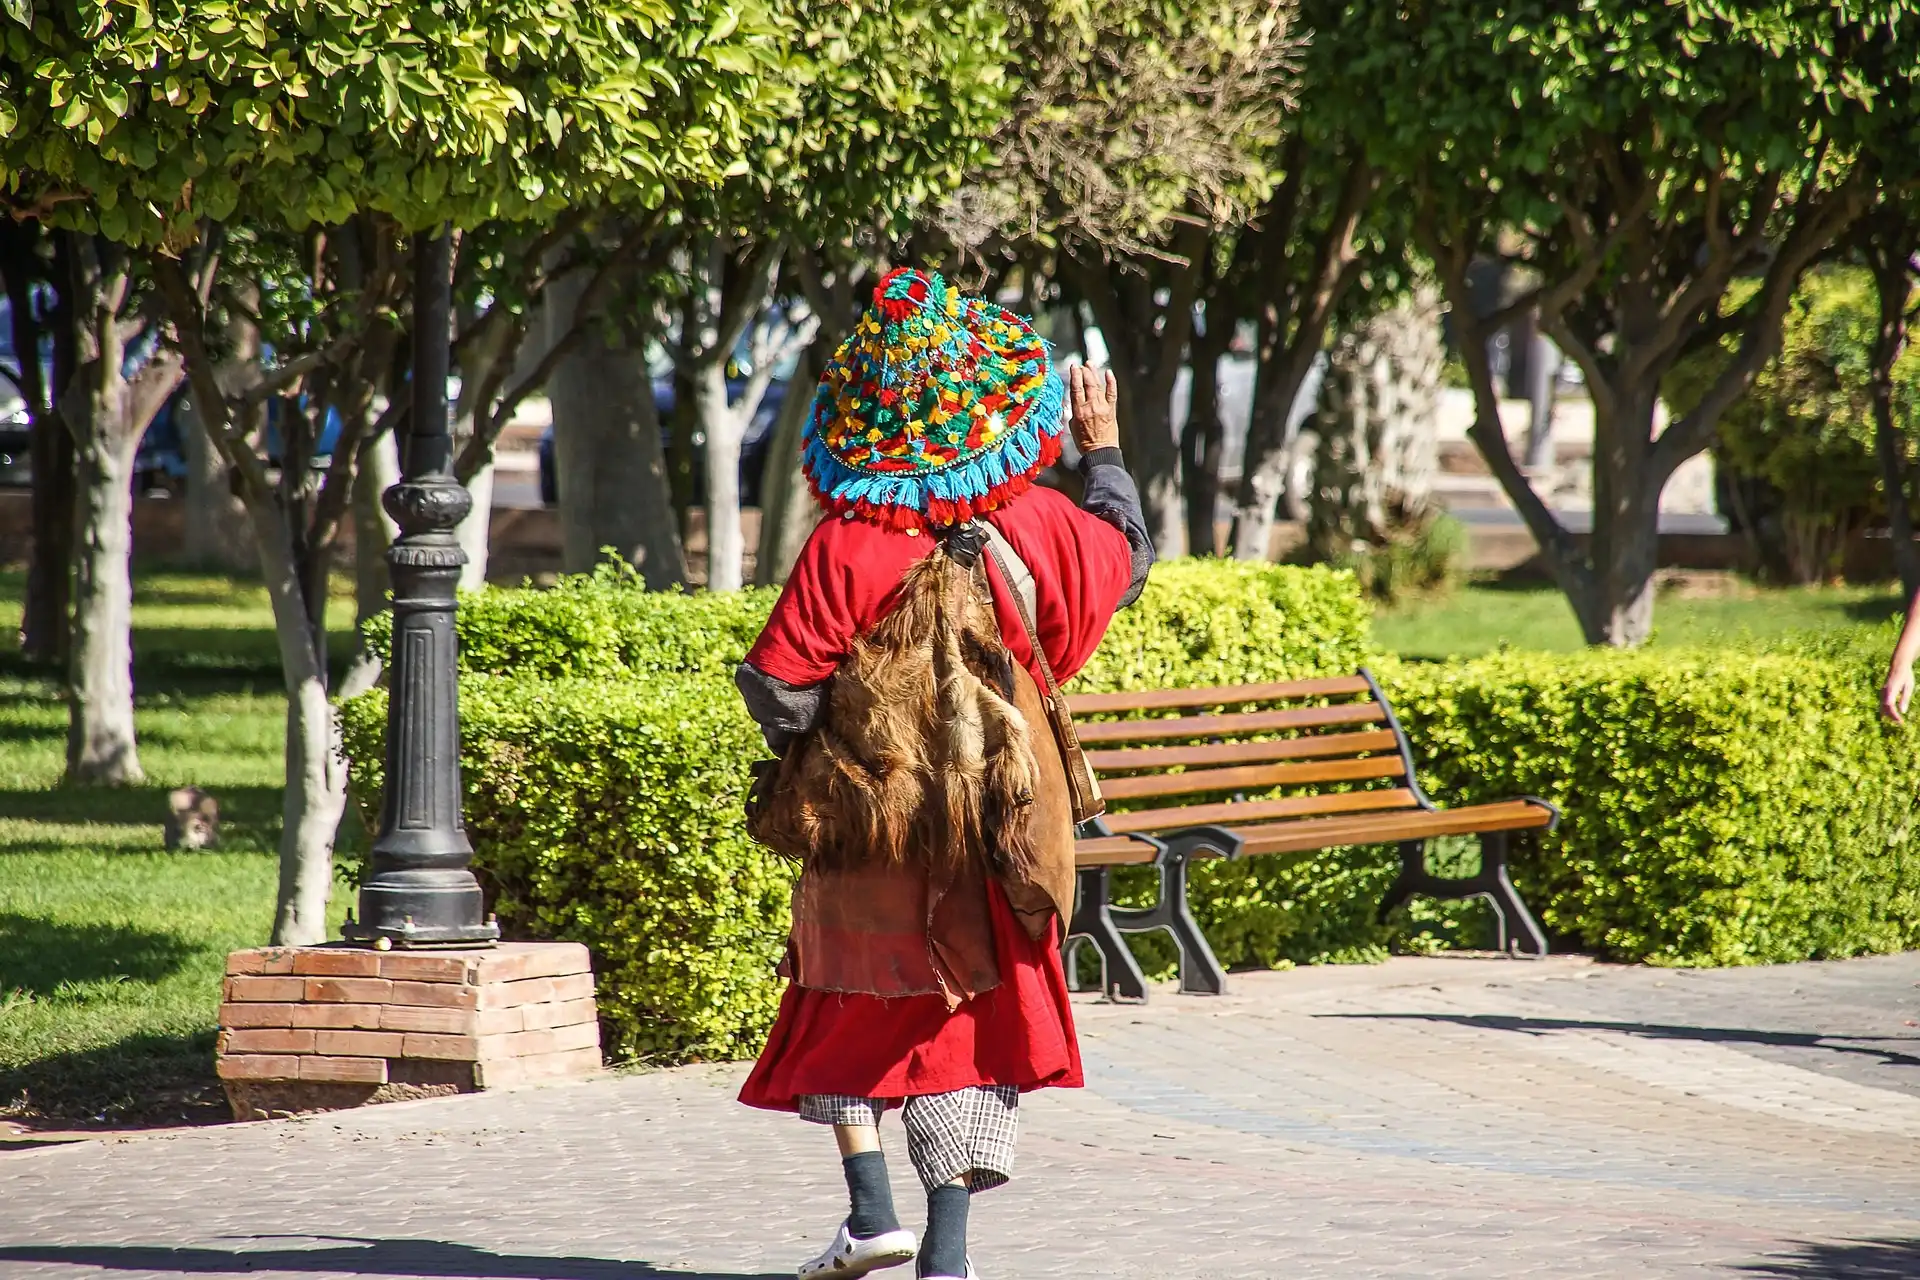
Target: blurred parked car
<point>160,464</point>
<point>322,447</point>
<point>753,449</point>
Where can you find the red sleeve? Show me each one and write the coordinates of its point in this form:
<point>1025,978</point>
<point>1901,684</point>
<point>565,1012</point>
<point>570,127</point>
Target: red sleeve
<point>843,577</point>
<point>1081,568</point>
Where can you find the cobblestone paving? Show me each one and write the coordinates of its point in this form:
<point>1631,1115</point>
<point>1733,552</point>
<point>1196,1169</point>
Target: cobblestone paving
<point>1425,1118</point>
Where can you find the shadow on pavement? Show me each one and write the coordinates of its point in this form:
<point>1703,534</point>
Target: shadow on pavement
<point>356,1256</point>
<point>155,1078</point>
<point>1863,1045</point>
<point>1843,1260</point>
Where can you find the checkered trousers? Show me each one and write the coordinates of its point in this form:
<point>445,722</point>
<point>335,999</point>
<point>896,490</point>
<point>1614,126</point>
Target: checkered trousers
<point>967,1134</point>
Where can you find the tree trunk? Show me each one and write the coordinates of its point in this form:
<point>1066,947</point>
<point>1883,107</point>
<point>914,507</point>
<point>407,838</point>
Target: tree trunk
<point>1268,465</point>
<point>1378,445</point>
<point>373,532</point>
<point>787,509</point>
<point>315,800</point>
<point>475,532</point>
<point>610,468</point>
<point>727,290</point>
<point>1201,436</point>
<point>316,790</point>
<point>45,629</point>
<point>633,512</point>
<point>724,430</point>
<point>1893,279</point>
<point>215,533</point>
<point>1146,346</point>
<point>1615,607</point>
<point>100,733</point>
<point>46,633</point>
<point>1293,311</point>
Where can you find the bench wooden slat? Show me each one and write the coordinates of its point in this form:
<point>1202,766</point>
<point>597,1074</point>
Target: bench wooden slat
<point>1083,704</point>
<point>1313,747</point>
<point>1256,777</point>
<point>1245,811</point>
<point>1112,851</point>
<point>1390,828</point>
<point>1229,725</point>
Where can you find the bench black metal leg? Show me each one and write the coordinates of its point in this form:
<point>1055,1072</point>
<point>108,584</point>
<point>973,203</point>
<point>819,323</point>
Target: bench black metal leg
<point>1514,921</point>
<point>1507,907</point>
<point>1093,922</point>
<point>1413,876</point>
<point>1200,971</point>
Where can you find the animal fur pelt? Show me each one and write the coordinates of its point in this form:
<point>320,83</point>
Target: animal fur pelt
<point>921,754</point>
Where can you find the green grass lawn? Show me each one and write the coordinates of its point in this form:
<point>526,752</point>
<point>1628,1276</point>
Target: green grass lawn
<point>111,949</point>
<point>1477,618</point>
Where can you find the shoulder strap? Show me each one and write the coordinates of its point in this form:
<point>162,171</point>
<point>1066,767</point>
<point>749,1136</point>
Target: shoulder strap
<point>1025,595</point>
<point>1082,785</point>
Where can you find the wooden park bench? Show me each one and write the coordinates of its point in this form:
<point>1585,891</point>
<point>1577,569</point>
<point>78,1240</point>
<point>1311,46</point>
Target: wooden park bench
<point>1330,766</point>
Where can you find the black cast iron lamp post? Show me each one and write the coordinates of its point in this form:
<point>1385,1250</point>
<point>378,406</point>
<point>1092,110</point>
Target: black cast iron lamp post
<point>420,889</point>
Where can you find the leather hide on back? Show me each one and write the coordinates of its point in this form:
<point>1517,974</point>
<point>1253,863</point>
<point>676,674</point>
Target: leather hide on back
<point>932,767</point>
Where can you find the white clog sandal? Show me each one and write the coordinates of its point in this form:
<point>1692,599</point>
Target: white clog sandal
<point>849,1256</point>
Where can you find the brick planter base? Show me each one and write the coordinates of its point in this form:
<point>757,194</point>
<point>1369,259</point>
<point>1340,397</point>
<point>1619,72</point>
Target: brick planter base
<point>322,1028</point>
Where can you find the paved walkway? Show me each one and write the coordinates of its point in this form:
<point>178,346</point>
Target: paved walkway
<point>1423,1118</point>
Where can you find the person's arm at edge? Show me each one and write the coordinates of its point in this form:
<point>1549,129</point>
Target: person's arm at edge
<point>1897,693</point>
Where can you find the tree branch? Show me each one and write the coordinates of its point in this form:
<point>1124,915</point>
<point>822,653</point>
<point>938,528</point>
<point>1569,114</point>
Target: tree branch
<point>489,420</point>
<point>798,336</point>
<point>535,255</point>
<point>277,380</point>
<point>747,293</point>
<point>1813,230</point>
<point>1683,311</point>
<point>336,490</point>
<point>1488,433</point>
<point>189,323</point>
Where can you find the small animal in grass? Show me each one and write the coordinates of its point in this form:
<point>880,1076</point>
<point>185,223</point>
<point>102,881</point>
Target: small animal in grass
<point>193,819</point>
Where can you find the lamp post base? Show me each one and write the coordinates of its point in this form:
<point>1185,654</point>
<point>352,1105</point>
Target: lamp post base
<point>321,1028</point>
<point>409,934</point>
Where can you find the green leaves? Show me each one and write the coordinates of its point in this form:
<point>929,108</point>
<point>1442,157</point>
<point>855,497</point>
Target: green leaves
<point>882,109</point>
<point>510,106</point>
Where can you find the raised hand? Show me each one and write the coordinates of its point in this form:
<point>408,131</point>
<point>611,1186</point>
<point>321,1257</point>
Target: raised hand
<point>1094,395</point>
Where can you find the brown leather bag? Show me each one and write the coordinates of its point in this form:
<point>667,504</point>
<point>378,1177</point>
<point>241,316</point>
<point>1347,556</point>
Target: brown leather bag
<point>1081,783</point>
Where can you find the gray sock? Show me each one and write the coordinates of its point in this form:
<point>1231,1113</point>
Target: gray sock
<point>943,1250</point>
<point>871,1196</point>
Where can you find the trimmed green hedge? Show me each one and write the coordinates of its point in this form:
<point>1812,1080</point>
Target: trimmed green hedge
<point>600,625</point>
<point>1730,807</point>
<point>604,752</point>
<point>609,813</point>
<point>1721,807</point>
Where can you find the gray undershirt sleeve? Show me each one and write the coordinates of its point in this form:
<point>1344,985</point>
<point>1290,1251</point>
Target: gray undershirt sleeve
<point>783,711</point>
<point>1111,494</point>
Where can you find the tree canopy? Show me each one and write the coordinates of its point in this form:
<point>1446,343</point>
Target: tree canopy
<point>1637,160</point>
<point>139,119</point>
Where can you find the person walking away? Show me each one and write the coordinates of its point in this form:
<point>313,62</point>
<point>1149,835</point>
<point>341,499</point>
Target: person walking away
<point>899,679</point>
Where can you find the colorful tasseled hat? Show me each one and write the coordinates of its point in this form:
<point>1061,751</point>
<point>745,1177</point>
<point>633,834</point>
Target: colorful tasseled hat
<point>937,409</point>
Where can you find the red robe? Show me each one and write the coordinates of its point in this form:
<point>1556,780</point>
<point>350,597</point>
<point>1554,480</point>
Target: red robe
<point>1020,1032</point>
